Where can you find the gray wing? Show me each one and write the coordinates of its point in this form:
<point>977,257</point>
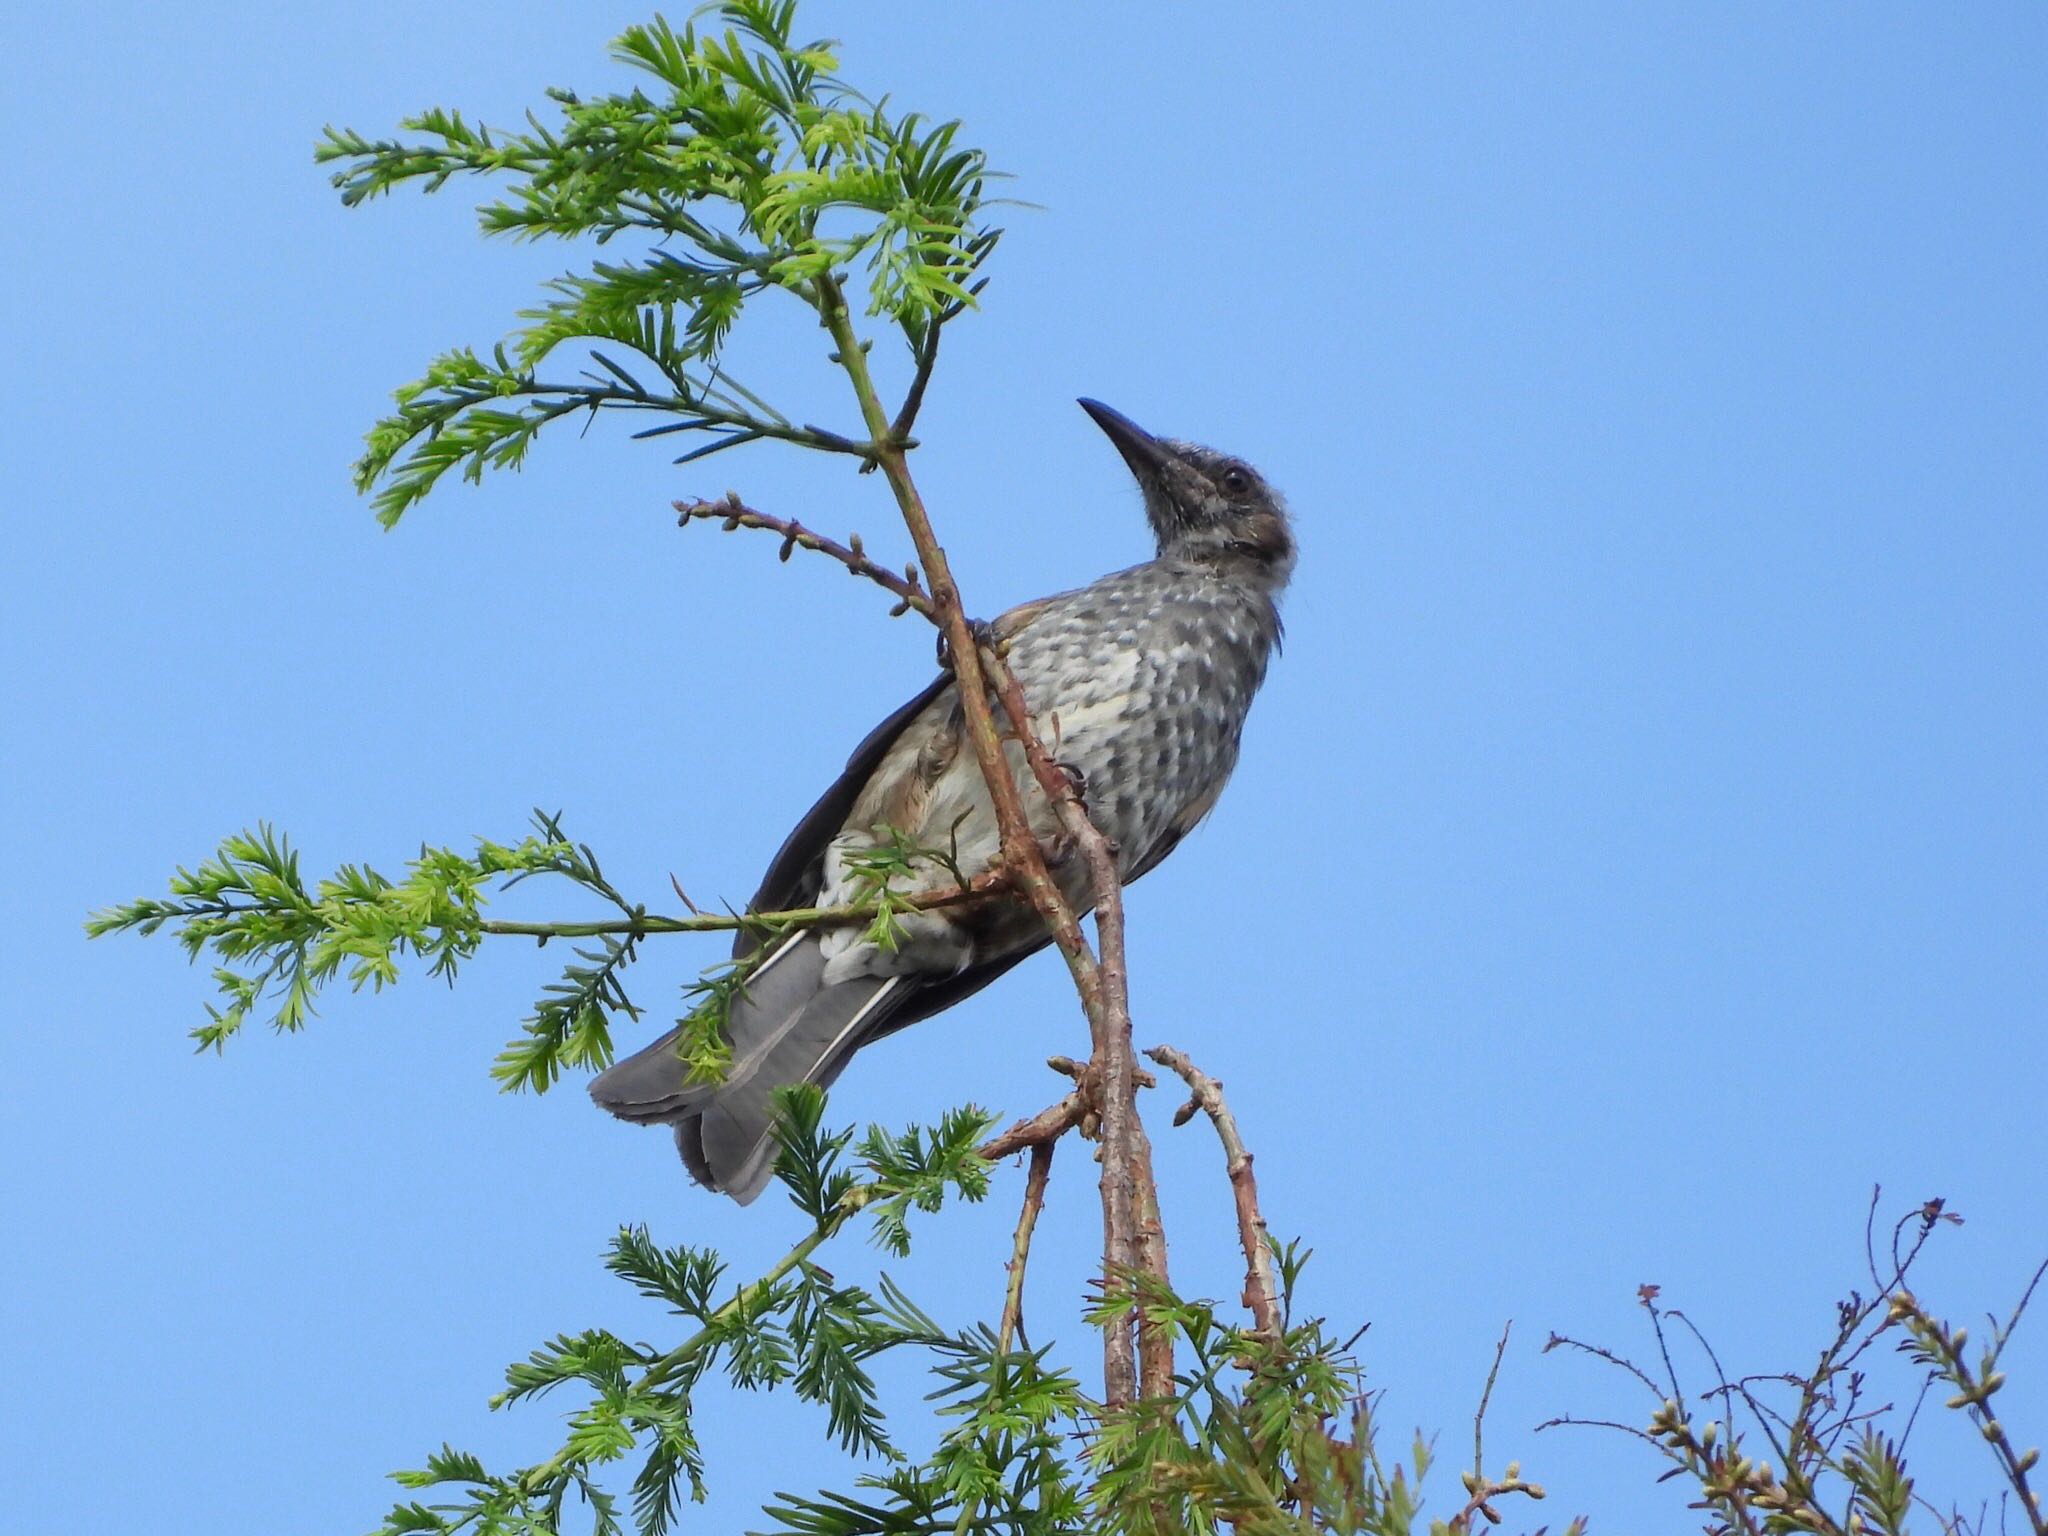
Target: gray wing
<point>797,870</point>
<point>937,996</point>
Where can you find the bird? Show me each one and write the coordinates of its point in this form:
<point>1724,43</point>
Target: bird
<point>1139,684</point>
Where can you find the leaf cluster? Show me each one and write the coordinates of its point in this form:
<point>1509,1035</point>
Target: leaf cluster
<point>280,940</point>
<point>251,907</point>
<point>796,1328</point>
<point>873,869</point>
<point>1261,1435</point>
<point>1265,1435</point>
<point>1269,1436</point>
<point>746,165</point>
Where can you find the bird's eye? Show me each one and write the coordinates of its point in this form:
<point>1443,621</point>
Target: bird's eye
<point>1235,481</point>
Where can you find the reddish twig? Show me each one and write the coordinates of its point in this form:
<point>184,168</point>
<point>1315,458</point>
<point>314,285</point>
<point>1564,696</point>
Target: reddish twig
<point>1261,1293</point>
<point>734,513</point>
<point>1049,1124</point>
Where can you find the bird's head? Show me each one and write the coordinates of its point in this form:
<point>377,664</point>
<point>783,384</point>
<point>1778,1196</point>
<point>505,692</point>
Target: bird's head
<point>1201,502</point>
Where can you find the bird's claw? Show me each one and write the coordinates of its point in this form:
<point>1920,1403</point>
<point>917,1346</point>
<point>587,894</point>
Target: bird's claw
<point>985,637</point>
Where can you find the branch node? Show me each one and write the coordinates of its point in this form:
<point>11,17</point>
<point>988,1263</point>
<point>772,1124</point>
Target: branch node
<point>733,514</point>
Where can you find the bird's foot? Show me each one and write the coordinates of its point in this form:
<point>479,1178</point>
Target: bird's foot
<point>984,634</point>
<point>1077,781</point>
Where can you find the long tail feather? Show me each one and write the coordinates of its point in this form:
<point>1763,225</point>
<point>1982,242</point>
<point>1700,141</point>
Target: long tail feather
<point>735,1128</point>
<point>786,1027</point>
<point>650,1086</point>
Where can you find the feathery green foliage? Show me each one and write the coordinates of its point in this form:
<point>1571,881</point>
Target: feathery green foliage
<point>1262,1436</point>
<point>796,1327</point>
<point>744,165</point>
<point>282,941</point>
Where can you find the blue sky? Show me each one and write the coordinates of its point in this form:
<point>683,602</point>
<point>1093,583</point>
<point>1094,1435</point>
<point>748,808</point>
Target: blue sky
<point>1638,853</point>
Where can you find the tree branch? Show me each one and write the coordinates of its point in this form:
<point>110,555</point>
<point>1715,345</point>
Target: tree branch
<point>1134,1236</point>
<point>1101,984</point>
<point>734,513</point>
<point>1049,1124</point>
<point>1261,1294</point>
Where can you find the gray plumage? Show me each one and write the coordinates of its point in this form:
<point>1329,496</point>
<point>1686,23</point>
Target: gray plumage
<point>1138,684</point>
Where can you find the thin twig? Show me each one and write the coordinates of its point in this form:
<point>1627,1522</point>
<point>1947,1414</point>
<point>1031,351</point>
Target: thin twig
<point>1020,1244</point>
<point>1013,1292</point>
<point>734,513</point>
<point>1048,1125</point>
<point>1647,1295</point>
<point>1559,1340</point>
<point>644,924</point>
<point>913,398</point>
<point>2002,1332</point>
<point>1486,1396</point>
<point>1566,1420</point>
<point>1261,1293</point>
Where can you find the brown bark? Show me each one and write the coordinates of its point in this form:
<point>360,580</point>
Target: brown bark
<point>1099,975</point>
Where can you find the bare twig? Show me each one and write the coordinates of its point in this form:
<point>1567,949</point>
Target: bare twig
<point>1486,1396</point>
<point>1261,1293</point>
<point>1013,1294</point>
<point>1562,1341</point>
<point>1566,1420</point>
<point>1020,1244</point>
<point>1049,1124</point>
<point>734,513</point>
<point>2002,1332</point>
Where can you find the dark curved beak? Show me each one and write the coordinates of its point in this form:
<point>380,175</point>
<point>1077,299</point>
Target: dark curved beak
<point>1141,450</point>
